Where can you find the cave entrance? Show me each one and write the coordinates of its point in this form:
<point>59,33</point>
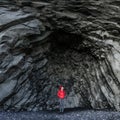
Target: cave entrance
<point>67,66</point>
<point>67,61</point>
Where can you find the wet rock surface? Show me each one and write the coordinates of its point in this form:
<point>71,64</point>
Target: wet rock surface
<point>44,44</point>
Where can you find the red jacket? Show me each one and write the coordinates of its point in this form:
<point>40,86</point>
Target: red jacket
<point>61,94</point>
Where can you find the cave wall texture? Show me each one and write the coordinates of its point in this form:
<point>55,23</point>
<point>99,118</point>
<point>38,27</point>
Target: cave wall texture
<point>44,44</point>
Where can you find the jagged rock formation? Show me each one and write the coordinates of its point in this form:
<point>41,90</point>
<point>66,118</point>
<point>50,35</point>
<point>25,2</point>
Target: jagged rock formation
<point>69,42</point>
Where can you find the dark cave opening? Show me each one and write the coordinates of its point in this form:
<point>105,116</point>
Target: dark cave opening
<point>67,65</point>
<point>64,40</point>
<point>61,42</point>
<point>71,64</point>
<point>68,62</point>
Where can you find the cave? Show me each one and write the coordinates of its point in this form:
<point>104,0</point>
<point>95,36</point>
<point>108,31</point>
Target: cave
<point>53,43</point>
<point>66,60</point>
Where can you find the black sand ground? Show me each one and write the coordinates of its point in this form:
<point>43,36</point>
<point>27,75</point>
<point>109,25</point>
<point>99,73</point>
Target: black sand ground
<point>67,115</point>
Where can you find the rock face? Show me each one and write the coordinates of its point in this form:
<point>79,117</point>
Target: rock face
<point>69,42</point>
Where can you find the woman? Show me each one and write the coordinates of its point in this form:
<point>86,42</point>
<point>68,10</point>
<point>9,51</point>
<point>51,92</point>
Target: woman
<point>61,95</point>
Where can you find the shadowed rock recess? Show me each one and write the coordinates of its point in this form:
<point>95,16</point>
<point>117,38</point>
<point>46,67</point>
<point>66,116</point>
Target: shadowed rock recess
<point>75,43</point>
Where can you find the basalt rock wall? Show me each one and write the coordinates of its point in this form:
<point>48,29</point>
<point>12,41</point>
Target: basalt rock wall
<point>74,43</point>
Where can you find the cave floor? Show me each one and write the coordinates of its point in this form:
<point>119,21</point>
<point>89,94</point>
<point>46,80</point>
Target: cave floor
<point>67,115</point>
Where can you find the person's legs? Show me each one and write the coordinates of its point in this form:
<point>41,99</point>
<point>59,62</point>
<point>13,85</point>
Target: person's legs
<point>62,108</point>
<point>60,105</point>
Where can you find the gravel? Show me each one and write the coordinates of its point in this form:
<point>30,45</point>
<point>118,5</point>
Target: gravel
<point>55,115</point>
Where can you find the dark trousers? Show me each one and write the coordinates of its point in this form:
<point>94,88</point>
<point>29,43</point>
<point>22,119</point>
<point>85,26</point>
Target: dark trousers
<point>61,104</point>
